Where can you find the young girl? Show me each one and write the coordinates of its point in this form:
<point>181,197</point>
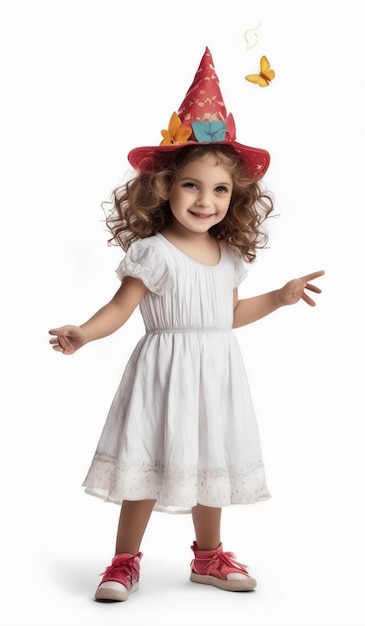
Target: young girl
<point>181,433</point>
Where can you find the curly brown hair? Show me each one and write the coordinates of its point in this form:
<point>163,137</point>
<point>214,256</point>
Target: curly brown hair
<point>140,207</point>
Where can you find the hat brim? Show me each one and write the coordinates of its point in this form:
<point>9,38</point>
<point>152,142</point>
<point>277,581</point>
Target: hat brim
<point>146,158</point>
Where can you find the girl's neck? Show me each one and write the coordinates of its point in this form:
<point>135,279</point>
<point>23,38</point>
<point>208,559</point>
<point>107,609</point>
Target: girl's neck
<point>177,232</point>
<point>201,247</point>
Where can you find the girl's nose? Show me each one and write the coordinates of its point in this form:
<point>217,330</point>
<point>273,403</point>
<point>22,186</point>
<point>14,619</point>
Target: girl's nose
<point>203,199</point>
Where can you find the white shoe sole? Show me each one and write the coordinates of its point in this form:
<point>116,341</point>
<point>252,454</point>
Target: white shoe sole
<point>246,584</point>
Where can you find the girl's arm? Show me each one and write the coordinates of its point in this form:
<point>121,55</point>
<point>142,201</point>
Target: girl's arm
<point>252,309</point>
<point>107,320</point>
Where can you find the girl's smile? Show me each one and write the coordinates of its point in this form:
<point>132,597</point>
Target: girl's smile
<point>201,215</point>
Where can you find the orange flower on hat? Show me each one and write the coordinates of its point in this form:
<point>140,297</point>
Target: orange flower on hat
<point>176,133</point>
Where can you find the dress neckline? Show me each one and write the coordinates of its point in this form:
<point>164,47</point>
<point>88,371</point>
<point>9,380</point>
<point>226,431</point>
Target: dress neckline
<point>169,243</point>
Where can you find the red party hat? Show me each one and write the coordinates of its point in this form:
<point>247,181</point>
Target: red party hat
<point>201,118</point>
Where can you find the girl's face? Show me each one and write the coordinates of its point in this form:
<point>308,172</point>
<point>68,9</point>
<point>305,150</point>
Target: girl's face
<point>200,196</point>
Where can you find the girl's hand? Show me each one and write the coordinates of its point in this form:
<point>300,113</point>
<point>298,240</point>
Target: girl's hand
<point>294,290</point>
<point>67,339</point>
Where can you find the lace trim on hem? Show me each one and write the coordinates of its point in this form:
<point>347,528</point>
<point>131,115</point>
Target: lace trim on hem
<point>175,488</point>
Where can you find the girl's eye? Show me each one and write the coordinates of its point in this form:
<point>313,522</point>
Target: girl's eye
<point>221,189</point>
<point>189,185</point>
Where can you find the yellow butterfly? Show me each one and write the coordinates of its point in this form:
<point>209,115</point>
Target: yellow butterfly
<point>266,74</point>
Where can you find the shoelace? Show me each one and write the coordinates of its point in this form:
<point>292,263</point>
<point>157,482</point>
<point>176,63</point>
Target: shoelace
<point>122,568</point>
<point>229,559</point>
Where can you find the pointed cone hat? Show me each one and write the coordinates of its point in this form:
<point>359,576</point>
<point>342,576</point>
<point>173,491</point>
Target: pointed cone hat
<point>201,118</point>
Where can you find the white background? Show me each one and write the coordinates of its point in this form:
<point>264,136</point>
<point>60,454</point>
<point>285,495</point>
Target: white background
<point>82,83</point>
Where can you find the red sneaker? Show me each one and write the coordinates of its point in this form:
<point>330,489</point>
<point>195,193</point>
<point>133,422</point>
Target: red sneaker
<point>120,579</point>
<point>220,569</point>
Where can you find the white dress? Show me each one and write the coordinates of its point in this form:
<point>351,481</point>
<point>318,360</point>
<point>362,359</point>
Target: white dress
<point>181,428</point>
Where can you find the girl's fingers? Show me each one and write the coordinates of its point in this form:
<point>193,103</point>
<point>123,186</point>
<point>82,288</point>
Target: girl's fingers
<point>312,276</point>
<point>313,288</point>
<point>62,344</point>
<point>308,300</point>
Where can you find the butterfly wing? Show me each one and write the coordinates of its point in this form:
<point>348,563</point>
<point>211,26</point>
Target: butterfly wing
<point>253,78</point>
<point>264,65</point>
<point>258,79</point>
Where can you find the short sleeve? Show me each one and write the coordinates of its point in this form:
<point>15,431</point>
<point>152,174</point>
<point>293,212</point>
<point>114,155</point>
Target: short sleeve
<point>147,263</point>
<point>240,269</point>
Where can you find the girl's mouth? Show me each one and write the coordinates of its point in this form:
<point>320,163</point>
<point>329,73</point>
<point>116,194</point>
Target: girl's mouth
<point>202,216</point>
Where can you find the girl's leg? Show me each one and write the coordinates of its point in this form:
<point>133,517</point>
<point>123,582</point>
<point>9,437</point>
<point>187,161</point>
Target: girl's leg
<point>133,520</point>
<point>212,566</point>
<point>207,525</point>
<point>121,578</point>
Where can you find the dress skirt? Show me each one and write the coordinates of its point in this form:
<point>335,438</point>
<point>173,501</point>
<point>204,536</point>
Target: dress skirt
<point>181,428</point>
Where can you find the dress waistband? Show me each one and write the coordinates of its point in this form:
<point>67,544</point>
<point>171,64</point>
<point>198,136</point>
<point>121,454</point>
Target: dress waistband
<point>184,329</point>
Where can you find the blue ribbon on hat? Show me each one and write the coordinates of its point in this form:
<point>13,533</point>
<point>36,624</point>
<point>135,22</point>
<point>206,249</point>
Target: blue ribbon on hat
<point>207,132</point>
